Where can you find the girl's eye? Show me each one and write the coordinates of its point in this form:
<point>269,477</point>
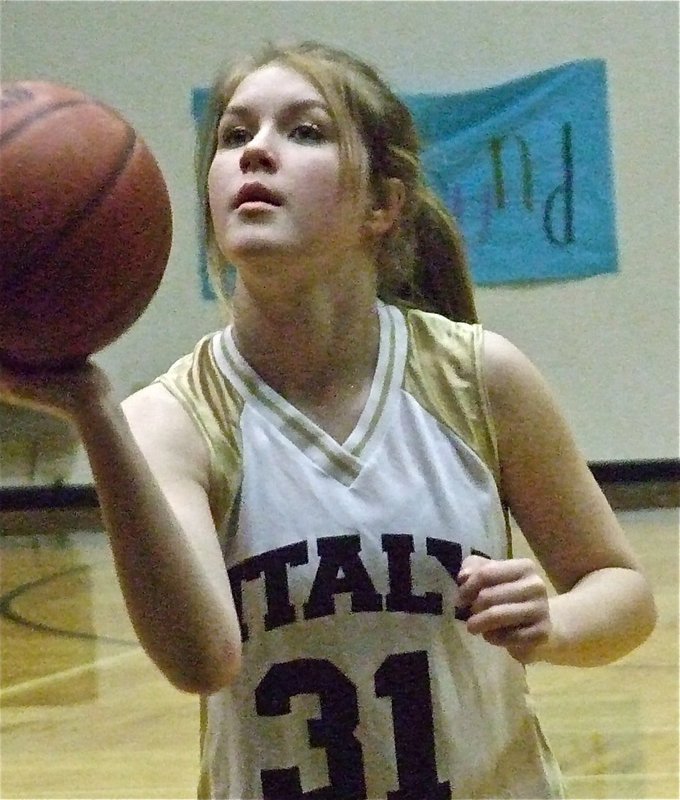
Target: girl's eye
<point>234,137</point>
<point>307,132</point>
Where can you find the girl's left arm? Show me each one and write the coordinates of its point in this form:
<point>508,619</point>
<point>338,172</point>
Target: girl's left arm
<point>604,606</point>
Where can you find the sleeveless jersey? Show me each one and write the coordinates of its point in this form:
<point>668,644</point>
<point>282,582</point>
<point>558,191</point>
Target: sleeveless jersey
<point>359,679</point>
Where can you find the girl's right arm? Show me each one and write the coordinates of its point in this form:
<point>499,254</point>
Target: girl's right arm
<point>150,468</point>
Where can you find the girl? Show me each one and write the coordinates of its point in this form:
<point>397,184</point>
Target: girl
<point>309,513</point>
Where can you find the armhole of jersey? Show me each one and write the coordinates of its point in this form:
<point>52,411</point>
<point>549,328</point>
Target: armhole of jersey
<point>485,404</point>
<point>171,387</point>
<point>185,380</point>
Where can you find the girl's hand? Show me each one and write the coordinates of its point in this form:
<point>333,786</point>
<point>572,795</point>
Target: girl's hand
<point>62,393</point>
<point>508,603</point>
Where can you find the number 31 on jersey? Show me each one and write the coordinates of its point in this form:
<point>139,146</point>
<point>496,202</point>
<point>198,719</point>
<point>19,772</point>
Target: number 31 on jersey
<point>403,677</point>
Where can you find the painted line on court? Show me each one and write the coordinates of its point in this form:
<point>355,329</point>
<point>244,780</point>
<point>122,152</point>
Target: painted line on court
<point>46,680</point>
<point>7,611</point>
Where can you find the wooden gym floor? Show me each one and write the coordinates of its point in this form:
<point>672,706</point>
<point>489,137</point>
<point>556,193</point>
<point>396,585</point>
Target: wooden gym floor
<point>86,715</point>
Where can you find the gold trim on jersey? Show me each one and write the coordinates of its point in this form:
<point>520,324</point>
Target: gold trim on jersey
<point>215,407</point>
<point>445,374</point>
<point>342,461</point>
<point>443,371</point>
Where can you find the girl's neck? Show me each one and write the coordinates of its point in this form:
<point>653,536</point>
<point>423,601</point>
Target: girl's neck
<point>313,346</point>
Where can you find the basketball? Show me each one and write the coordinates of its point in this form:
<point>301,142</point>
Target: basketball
<point>85,225</point>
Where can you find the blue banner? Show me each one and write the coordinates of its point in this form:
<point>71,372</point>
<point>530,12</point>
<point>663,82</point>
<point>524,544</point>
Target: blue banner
<point>526,169</point>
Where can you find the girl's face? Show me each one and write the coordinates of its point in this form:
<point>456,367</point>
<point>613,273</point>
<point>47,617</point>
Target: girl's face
<point>274,185</point>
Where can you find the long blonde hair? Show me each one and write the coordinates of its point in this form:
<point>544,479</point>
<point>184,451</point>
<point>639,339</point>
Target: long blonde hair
<point>421,261</point>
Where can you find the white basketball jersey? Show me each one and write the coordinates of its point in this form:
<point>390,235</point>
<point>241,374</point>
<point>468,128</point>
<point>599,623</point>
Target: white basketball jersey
<point>359,679</point>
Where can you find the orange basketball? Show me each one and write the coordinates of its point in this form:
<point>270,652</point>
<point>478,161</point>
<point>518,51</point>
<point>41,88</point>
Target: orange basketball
<point>85,225</point>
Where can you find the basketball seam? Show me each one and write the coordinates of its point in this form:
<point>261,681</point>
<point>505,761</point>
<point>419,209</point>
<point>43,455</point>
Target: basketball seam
<point>9,134</point>
<point>102,192</point>
<point>71,224</point>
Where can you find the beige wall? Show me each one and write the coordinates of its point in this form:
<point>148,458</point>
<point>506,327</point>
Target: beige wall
<point>608,345</point>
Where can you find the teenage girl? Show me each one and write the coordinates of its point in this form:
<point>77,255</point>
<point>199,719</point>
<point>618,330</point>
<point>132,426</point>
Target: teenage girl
<point>309,512</point>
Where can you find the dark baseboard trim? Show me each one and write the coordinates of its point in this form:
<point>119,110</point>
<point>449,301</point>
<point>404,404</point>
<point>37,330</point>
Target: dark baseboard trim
<point>34,498</point>
<point>636,471</point>
<point>630,485</point>
<point>660,479</point>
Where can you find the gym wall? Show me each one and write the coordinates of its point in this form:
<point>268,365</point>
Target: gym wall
<point>608,345</point>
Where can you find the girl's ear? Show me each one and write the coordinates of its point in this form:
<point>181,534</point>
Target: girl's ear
<point>387,209</point>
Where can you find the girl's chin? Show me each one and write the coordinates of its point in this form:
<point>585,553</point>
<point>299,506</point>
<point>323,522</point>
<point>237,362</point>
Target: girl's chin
<point>256,251</point>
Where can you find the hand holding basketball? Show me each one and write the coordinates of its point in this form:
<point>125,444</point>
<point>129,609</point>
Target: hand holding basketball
<point>85,225</point>
<point>63,393</point>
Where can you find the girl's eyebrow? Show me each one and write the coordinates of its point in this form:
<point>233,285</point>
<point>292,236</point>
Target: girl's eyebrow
<point>291,109</point>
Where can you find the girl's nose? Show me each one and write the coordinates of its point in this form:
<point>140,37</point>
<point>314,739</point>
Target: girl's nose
<point>258,155</point>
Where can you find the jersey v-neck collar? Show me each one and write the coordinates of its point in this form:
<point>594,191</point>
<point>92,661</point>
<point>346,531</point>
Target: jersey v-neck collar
<point>343,461</point>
